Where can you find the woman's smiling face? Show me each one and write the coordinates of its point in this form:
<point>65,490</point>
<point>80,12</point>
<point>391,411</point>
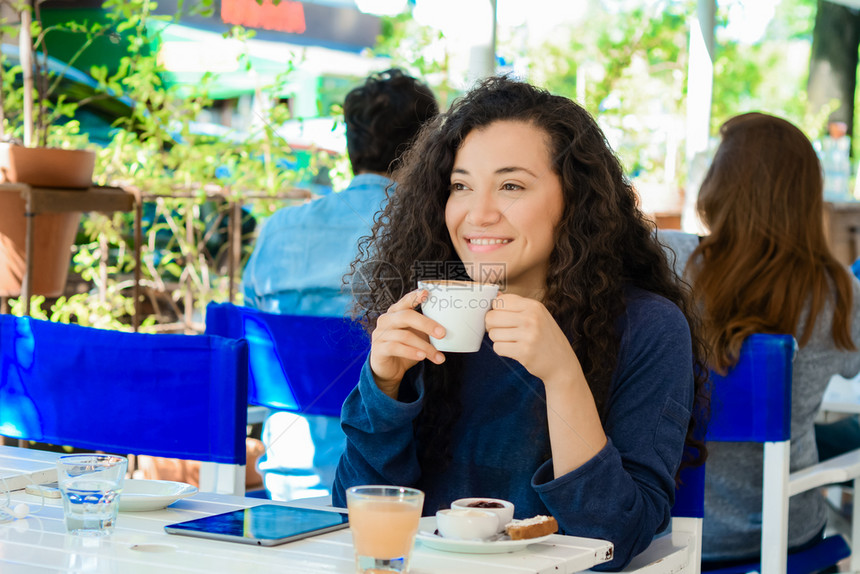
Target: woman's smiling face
<point>504,205</point>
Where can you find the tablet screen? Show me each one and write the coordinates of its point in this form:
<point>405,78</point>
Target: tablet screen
<point>266,525</point>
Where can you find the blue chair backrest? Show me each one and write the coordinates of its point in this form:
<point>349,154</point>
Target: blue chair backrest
<point>180,396</point>
<point>690,493</point>
<point>297,363</point>
<point>751,403</point>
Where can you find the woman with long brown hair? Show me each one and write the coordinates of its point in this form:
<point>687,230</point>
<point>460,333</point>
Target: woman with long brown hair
<point>765,268</point>
<point>579,402</point>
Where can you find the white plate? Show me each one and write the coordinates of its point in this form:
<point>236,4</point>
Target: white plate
<point>142,495</point>
<point>430,540</point>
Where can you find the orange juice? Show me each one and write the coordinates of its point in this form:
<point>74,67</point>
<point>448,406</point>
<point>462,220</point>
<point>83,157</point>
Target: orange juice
<point>383,521</point>
<point>383,529</point>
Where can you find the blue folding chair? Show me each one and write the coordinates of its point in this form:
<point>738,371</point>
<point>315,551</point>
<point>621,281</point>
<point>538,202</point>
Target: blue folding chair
<point>305,365</point>
<point>179,396</point>
<point>297,363</point>
<point>753,404</point>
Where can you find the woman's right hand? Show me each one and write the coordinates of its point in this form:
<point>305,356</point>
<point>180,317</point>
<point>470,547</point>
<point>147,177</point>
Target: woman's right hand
<point>402,339</point>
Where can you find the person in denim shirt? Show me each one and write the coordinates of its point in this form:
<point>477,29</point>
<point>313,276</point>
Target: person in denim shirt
<point>578,403</point>
<point>303,253</point>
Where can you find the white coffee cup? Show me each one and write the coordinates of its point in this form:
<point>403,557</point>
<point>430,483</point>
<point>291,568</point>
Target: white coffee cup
<point>460,307</point>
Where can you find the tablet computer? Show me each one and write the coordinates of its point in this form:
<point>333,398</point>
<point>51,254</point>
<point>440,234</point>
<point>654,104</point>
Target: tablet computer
<point>264,525</point>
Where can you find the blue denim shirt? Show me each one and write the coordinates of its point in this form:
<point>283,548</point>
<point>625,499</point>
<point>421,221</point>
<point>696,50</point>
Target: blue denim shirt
<point>303,252</point>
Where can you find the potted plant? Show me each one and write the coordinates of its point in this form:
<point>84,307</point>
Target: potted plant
<point>70,168</point>
<point>29,159</point>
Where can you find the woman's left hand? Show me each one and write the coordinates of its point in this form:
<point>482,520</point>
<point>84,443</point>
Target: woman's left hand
<point>523,329</point>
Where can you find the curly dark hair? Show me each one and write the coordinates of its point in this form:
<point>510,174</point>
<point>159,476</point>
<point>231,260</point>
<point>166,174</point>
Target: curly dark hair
<point>382,117</point>
<point>603,241</point>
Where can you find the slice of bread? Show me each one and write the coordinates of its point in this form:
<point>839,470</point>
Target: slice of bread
<point>539,525</point>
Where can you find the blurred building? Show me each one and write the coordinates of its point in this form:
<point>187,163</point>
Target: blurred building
<point>307,54</point>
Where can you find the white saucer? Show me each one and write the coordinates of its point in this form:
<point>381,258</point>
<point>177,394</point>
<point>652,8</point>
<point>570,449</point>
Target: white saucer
<point>142,495</point>
<point>431,540</point>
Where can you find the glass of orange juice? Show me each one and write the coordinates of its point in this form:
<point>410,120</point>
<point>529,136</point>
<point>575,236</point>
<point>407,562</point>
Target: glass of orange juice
<point>383,521</point>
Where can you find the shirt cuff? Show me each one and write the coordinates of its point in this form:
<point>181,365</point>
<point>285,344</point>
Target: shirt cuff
<point>543,480</point>
<point>383,412</point>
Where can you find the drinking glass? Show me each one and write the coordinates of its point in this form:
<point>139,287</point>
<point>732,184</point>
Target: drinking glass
<point>90,485</point>
<point>383,521</point>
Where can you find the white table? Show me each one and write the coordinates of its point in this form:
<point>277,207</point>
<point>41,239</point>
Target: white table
<point>39,544</point>
<point>842,395</point>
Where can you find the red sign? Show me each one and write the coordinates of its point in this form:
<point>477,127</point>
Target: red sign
<point>286,16</point>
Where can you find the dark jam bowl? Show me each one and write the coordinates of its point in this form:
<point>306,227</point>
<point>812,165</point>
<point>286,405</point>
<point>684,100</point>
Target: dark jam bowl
<point>486,504</point>
<point>503,508</point>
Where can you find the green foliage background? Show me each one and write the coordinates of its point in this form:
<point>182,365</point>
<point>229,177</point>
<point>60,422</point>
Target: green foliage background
<point>632,57</point>
<point>155,150</point>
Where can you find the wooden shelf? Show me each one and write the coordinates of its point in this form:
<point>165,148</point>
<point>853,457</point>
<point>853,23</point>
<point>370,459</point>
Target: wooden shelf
<point>39,200</point>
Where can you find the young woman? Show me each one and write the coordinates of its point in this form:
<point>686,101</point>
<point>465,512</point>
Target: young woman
<point>765,267</point>
<point>579,402</point>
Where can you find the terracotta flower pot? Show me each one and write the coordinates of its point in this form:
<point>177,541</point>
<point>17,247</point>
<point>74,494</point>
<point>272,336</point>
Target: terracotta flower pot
<point>47,167</point>
<point>53,234</point>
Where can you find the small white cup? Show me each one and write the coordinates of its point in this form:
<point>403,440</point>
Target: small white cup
<point>504,510</point>
<point>469,524</point>
<point>460,307</point>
